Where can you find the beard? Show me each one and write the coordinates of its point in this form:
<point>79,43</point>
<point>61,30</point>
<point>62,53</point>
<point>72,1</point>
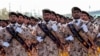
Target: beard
<point>13,22</point>
<point>20,22</point>
<point>76,17</point>
<point>47,19</point>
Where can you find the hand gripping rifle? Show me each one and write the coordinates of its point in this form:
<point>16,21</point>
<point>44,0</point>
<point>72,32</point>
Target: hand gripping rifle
<point>79,37</point>
<point>17,37</point>
<point>20,40</point>
<point>50,34</point>
<point>89,44</point>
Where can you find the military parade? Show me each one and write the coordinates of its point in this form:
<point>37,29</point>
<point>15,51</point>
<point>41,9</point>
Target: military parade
<point>51,35</point>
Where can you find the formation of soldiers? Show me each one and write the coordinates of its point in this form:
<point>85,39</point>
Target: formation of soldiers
<point>54,35</point>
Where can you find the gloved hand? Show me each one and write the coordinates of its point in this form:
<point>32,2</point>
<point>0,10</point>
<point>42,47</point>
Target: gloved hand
<point>85,28</point>
<point>39,38</point>
<point>71,38</point>
<point>98,35</point>
<point>54,27</point>
<point>6,44</point>
<point>19,30</point>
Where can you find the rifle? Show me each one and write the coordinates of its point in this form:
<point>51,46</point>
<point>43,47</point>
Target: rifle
<point>88,44</point>
<point>18,38</point>
<point>50,34</point>
<point>21,41</point>
<point>79,37</point>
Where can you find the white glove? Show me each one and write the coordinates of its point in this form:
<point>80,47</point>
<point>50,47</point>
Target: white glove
<point>98,35</point>
<point>6,44</point>
<point>85,28</point>
<point>54,27</point>
<point>39,38</point>
<point>19,30</point>
<point>69,38</point>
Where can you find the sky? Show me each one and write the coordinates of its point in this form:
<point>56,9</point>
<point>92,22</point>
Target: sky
<point>59,6</point>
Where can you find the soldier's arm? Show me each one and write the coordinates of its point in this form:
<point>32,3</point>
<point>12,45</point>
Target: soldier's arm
<point>68,34</point>
<point>40,35</point>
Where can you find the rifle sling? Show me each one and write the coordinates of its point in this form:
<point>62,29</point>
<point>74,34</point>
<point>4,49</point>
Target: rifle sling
<point>48,33</point>
<point>78,36</point>
<point>17,37</point>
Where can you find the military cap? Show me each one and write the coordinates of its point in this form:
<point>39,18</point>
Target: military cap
<point>46,11</point>
<point>13,13</point>
<point>76,8</point>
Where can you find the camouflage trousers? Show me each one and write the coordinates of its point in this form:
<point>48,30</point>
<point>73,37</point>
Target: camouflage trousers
<point>47,49</point>
<point>77,49</point>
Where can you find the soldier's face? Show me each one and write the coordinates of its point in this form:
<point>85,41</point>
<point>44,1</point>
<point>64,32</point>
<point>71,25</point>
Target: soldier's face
<point>84,17</point>
<point>58,19</point>
<point>62,20</point>
<point>26,21</point>
<point>46,16</point>
<point>76,14</point>
<point>3,24</point>
<point>20,19</point>
<point>53,17</point>
<point>33,22</point>
<point>13,18</point>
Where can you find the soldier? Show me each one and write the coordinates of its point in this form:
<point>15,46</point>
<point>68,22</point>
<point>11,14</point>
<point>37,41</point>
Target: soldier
<point>86,20</point>
<point>4,23</point>
<point>62,32</point>
<point>63,24</point>
<point>33,25</point>
<point>27,37</point>
<point>17,48</point>
<point>85,16</point>
<point>77,49</point>
<point>7,42</point>
<point>53,16</point>
<point>85,31</point>
<point>3,41</point>
<point>53,20</point>
<point>47,47</point>
<point>58,18</point>
<point>26,21</point>
<point>12,19</point>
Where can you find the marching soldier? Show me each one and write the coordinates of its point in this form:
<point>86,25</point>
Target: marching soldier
<point>8,46</point>
<point>52,36</point>
<point>86,20</point>
<point>62,32</point>
<point>28,39</point>
<point>16,47</point>
<point>33,25</point>
<point>76,49</point>
<point>47,47</point>
<point>26,21</point>
<point>3,41</point>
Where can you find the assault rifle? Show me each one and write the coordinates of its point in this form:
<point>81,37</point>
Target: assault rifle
<point>87,44</point>
<point>50,34</point>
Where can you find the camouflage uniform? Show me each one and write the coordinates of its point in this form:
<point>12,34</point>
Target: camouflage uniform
<point>15,48</point>
<point>76,49</point>
<point>47,47</point>
<point>2,51</point>
<point>29,39</point>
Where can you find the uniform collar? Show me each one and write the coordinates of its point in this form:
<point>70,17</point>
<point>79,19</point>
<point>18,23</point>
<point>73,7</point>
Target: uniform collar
<point>77,21</point>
